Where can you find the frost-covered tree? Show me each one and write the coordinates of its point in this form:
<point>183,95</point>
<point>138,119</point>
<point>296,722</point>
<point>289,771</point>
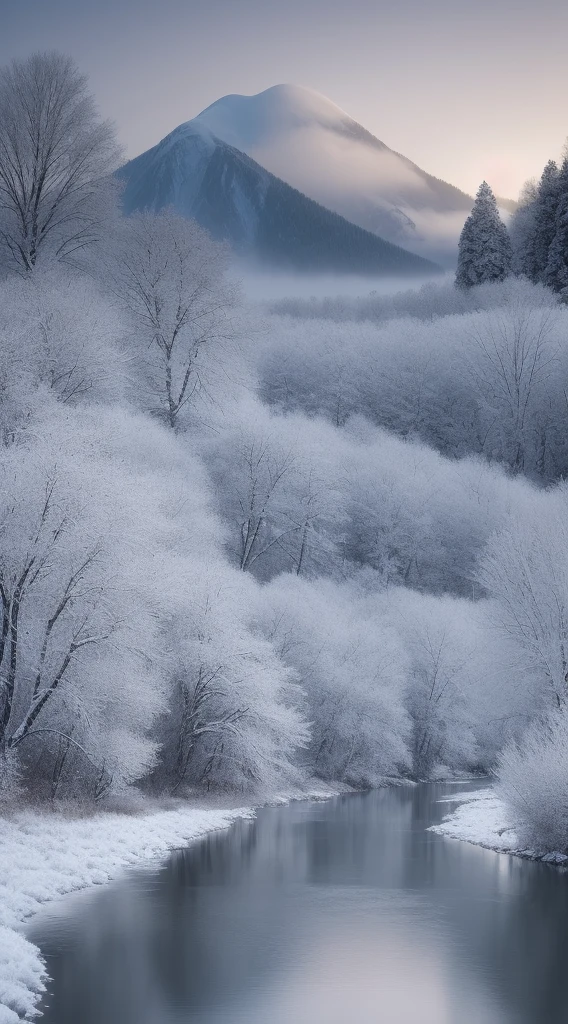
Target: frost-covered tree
<point>512,354</point>
<point>484,247</point>
<point>545,207</point>
<point>533,226</point>
<point>556,272</point>
<point>525,569</point>
<point>56,159</point>
<point>169,278</point>
<point>440,636</point>
<point>352,668</point>
<point>533,780</point>
<point>58,334</point>
<point>79,691</point>
<point>235,718</point>
<point>522,231</point>
<point>274,477</point>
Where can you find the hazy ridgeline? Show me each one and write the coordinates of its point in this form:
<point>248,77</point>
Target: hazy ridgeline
<point>242,545</point>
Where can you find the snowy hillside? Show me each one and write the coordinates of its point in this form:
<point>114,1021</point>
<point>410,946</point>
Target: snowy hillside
<point>303,138</point>
<point>235,199</point>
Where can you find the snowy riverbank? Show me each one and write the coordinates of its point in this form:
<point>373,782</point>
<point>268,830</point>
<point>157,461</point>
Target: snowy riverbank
<point>482,818</point>
<point>45,855</point>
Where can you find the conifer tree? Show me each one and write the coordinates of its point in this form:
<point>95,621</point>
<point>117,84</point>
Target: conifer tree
<point>545,220</point>
<point>522,232</point>
<point>556,272</point>
<point>484,249</point>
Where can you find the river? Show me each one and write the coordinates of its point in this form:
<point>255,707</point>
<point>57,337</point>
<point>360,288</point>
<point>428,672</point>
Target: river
<point>343,912</point>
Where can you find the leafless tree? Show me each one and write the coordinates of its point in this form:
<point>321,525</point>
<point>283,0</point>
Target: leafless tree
<point>514,356</point>
<point>16,588</point>
<point>56,162</point>
<point>205,710</point>
<point>168,275</point>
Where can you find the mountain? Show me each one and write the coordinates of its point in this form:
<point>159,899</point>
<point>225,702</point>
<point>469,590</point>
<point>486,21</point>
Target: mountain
<point>264,218</point>
<point>304,139</point>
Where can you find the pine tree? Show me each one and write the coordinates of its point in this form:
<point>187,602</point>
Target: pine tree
<point>484,249</point>
<point>545,220</point>
<point>522,231</point>
<point>556,272</point>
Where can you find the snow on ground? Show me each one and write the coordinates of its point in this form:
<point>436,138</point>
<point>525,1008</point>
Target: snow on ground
<point>43,856</point>
<point>482,818</point>
<point>46,855</point>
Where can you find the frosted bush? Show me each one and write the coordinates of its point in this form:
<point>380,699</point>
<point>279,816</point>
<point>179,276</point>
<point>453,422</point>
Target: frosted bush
<point>533,777</point>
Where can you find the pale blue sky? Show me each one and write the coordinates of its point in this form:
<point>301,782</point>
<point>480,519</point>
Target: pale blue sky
<point>467,90</point>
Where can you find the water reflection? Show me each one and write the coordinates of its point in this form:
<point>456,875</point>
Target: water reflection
<point>347,912</point>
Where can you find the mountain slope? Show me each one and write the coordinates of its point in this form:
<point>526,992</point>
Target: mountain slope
<point>236,199</point>
<point>307,141</point>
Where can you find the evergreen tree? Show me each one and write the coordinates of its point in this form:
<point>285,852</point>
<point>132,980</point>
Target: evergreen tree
<point>484,249</point>
<point>544,221</point>
<point>522,231</point>
<point>556,272</point>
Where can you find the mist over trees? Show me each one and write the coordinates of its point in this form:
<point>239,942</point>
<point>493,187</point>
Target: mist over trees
<point>242,546</point>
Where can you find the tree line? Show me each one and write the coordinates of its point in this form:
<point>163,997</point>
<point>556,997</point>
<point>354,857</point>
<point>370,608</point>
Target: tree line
<point>535,247</point>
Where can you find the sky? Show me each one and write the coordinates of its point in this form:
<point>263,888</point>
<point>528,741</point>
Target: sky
<point>468,90</point>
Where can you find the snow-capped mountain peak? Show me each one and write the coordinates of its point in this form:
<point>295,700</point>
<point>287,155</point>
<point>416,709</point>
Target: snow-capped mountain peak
<point>247,121</point>
<point>315,146</point>
<point>206,178</point>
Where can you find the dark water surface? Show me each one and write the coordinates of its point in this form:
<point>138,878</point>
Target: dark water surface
<point>345,912</point>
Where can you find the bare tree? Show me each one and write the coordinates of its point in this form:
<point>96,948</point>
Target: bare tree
<point>56,159</point>
<point>205,710</point>
<point>514,356</point>
<point>169,277</point>
<point>53,659</point>
<point>263,521</point>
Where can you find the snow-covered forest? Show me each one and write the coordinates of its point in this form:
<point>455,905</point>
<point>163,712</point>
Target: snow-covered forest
<point>241,544</point>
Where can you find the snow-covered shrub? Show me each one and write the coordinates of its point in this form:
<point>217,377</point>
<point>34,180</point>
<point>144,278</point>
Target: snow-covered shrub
<point>533,780</point>
<point>58,342</point>
<point>525,569</point>
<point>353,670</point>
<point>440,635</point>
<point>233,719</point>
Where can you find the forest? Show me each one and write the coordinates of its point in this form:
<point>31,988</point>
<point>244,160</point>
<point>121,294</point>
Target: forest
<point>245,544</point>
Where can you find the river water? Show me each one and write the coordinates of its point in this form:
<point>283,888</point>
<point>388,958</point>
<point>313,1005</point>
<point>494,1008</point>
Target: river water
<point>344,912</point>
